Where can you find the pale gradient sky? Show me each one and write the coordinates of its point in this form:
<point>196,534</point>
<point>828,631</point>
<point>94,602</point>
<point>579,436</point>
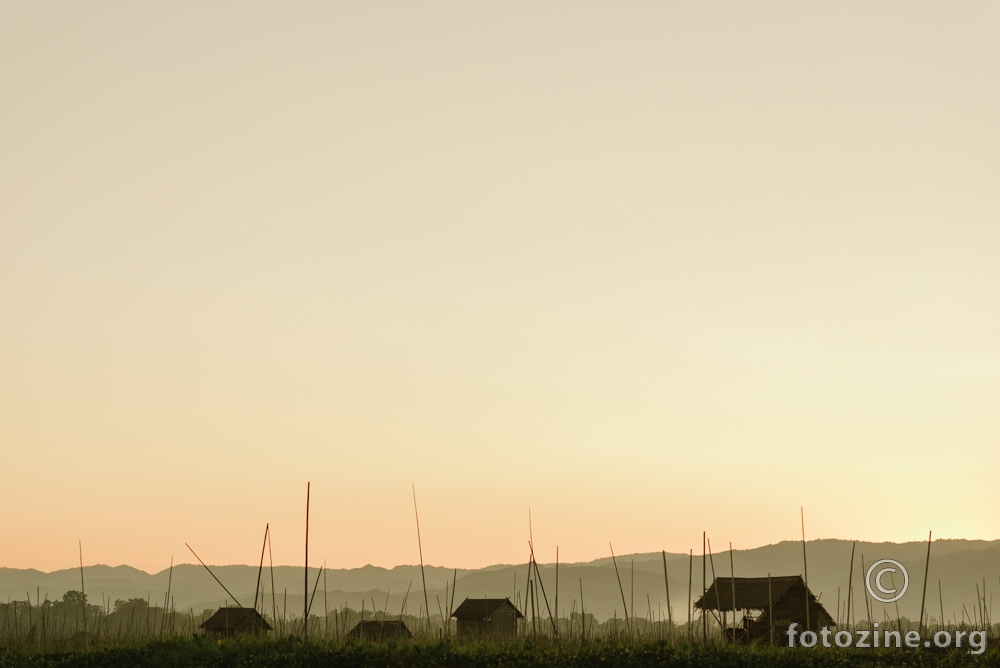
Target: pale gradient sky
<point>648,268</point>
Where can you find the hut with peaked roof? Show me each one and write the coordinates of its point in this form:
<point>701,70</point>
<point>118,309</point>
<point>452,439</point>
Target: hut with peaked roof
<point>228,622</point>
<point>770,603</point>
<point>494,618</point>
<point>380,630</point>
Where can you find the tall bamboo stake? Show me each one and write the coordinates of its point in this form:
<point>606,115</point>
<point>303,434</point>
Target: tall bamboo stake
<point>260,569</point>
<point>526,582</point>
<point>538,578</point>
<point>420,547</point>
<point>534,617</point>
<point>715,584</point>
<point>690,627</point>
<point>274,602</point>
<point>941,600</point>
<point>556,603</point>
<point>770,608</point>
<point>704,589</point>
<point>620,588</point>
<point>923,597</point>
<point>868,608</point>
<point>170,581</point>
<point>850,585</point>
<point>305,590</point>
<point>805,565</point>
<point>732,579</point>
<point>632,588</point>
<point>83,597</point>
<point>899,618</point>
<point>313,597</point>
<point>451,604</point>
<point>666,583</point>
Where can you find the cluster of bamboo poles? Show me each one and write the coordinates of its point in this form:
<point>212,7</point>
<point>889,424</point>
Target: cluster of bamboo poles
<point>48,621</point>
<point>980,617</point>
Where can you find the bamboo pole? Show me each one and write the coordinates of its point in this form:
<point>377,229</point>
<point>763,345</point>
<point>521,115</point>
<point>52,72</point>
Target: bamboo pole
<point>899,618</point>
<point>704,590</point>
<point>690,629</point>
<point>313,597</point>
<point>83,597</point>
<point>620,588</point>
<point>868,608</point>
<point>534,591</point>
<point>526,581</point>
<point>534,617</point>
<point>850,585</point>
<point>770,608</point>
<point>977,610</point>
<point>420,548</point>
<point>260,569</point>
<point>170,582</point>
<point>666,583</point>
<point>305,591</point>
<point>451,604</point>
<point>805,565</point>
<point>923,597</point>
<point>538,578</point>
<point>402,607</point>
<point>732,579</point>
<point>274,602</point>
<point>715,585</point>
<point>212,574</point>
<point>941,600</point>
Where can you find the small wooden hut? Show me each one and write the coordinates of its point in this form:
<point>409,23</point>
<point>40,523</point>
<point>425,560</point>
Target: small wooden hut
<point>228,622</point>
<point>380,630</point>
<point>766,603</point>
<point>494,618</point>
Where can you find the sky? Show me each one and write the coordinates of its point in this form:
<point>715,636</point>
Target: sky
<point>646,268</point>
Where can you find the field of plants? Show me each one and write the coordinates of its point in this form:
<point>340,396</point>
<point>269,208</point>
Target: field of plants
<point>73,632</point>
<point>601,653</point>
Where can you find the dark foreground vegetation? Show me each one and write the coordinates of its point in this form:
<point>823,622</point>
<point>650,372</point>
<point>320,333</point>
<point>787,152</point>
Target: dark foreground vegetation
<point>291,652</point>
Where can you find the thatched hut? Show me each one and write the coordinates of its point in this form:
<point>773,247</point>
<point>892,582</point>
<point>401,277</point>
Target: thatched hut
<point>767,604</point>
<point>487,618</point>
<point>228,622</point>
<point>380,630</point>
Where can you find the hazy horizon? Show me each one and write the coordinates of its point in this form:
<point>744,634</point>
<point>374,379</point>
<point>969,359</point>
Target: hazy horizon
<point>647,269</point>
<point>541,561</point>
<point>957,569</point>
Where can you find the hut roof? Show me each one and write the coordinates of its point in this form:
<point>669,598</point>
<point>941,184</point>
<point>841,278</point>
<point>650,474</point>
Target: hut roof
<point>751,593</point>
<point>483,608</point>
<point>226,619</point>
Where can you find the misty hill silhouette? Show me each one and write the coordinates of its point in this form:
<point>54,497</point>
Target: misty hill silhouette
<point>959,565</point>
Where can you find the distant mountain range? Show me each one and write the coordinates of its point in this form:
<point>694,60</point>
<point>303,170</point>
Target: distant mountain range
<point>959,565</point>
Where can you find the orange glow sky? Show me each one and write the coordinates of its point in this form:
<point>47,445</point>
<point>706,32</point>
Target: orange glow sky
<point>647,268</point>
